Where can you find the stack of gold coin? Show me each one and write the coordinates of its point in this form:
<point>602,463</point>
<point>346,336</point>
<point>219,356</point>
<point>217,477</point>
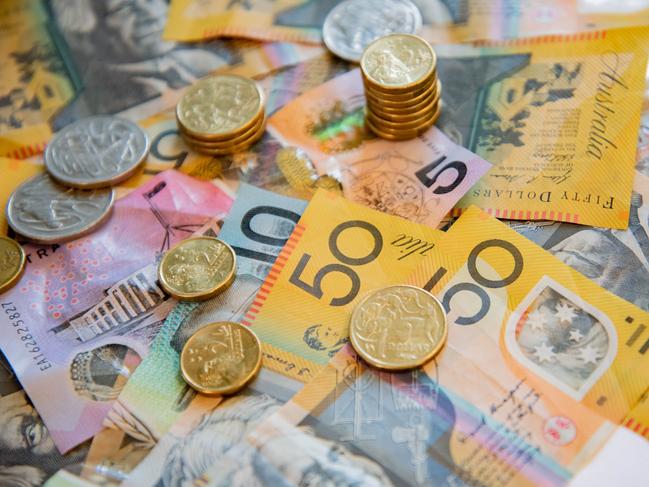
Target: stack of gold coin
<point>401,86</point>
<point>221,114</point>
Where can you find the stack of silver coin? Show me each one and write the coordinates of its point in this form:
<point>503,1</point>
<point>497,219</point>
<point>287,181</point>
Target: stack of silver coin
<point>75,195</point>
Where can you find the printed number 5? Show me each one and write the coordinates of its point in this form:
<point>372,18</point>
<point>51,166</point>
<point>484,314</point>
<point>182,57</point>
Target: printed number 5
<point>315,289</point>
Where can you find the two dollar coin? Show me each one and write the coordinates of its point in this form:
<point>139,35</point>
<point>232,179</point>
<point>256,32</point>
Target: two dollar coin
<point>398,327</point>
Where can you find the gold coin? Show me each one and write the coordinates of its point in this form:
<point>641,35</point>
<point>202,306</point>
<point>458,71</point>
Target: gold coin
<point>248,135</point>
<point>394,134</point>
<point>423,120</point>
<point>12,263</point>
<point>240,136</point>
<point>197,268</point>
<point>398,327</point>
<point>399,63</point>
<point>219,106</point>
<point>224,148</point>
<point>409,116</point>
<point>400,106</point>
<point>221,358</point>
<point>390,118</point>
<point>401,96</point>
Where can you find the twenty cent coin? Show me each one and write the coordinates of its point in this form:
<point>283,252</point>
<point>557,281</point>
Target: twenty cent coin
<point>220,358</point>
<point>43,211</point>
<point>353,24</point>
<point>96,152</point>
<point>197,268</point>
<point>398,327</point>
<point>12,263</point>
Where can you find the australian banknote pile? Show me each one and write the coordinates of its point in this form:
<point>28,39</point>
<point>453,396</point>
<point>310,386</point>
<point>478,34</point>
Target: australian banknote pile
<point>524,209</point>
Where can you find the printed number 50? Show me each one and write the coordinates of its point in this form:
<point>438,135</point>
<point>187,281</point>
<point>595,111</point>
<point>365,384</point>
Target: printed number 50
<point>315,289</point>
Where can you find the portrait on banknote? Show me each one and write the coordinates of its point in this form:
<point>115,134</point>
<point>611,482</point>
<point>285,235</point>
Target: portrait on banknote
<point>28,455</point>
<point>117,48</point>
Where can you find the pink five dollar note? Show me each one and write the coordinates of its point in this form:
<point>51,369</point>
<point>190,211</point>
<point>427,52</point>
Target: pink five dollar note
<point>419,179</point>
<point>84,313</point>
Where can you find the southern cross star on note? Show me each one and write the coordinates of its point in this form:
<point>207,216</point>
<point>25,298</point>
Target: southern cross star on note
<point>565,313</point>
<point>544,353</point>
<point>537,320</point>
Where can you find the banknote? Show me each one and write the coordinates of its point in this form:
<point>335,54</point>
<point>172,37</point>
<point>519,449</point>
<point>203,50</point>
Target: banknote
<point>63,61</point>
<point>420,179</point>
<point>83,314</point>
<point>257,165</point>
<point>27,453</point>
<point>515,309</point>
<point>558,117</point>
<point>156,396</point>
<point>337,252</point>
<point>283,20</point>
<point>353,248</point>
<point>617,260</point>
<point>257,227</point>
<point>355,425</point>
<point>206,431</point>
<point>473,20</point>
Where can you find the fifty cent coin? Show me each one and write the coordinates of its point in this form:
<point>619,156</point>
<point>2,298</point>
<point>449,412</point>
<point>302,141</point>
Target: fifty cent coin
<point>354,24</point>
<point>220,358</point>
<point>398,327</point>
<point>12,263</point>
<point>43,211</point>
<point>197,268</point>
<point>95,152</point>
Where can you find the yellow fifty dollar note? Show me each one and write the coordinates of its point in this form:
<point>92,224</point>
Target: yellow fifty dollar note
<point>279,20</point>
<point>522,315</point>
<point>417,427</point>
<point>337,253</point>
<point>558,117</point>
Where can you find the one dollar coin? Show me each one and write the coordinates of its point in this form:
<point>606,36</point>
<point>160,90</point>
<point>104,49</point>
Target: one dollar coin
<point>398,327</point>
<point>221,358</point>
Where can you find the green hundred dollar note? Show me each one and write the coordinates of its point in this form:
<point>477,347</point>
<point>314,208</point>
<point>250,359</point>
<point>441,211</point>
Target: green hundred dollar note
<point>558,116</point>
<point>257,228</point>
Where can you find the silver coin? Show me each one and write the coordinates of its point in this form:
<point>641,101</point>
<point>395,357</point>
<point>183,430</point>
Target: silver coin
<point>44,211</point>
<point>95,152</point>
<point>354,24</point>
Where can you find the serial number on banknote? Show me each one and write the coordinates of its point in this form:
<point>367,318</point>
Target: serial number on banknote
<point>25,335</point>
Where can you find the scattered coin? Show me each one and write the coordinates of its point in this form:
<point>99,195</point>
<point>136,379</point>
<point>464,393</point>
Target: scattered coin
<point>12,263</point>
<point>43,211</point>
<point>96,152</point>
<point>402,92</point>
<point>197,268</point>
<point>354,24</point>
<point>398,327</point>
<point>221,358</point>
